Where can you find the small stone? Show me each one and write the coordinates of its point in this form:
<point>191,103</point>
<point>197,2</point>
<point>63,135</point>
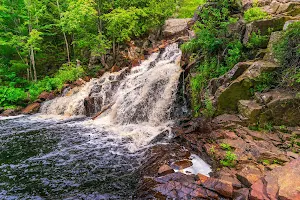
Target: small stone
<point>164,170</point>
<point>182,164</point>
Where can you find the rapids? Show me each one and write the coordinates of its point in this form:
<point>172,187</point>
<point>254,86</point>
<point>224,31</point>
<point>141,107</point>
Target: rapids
<point>61,153</point>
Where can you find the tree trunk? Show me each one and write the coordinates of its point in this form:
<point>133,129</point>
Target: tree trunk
<point>33,63</point>
<point>65,37</point>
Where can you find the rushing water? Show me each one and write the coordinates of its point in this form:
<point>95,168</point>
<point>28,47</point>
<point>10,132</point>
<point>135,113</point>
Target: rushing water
<point>45,156</point>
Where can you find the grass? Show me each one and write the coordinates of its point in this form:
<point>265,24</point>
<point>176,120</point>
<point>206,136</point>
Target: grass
<point>187,8</point>
<point>229,160</point>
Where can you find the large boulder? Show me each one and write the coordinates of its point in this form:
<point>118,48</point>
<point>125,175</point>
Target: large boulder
<point>264,26</point>
<point>282,183</point>
<point>283,108</point>
<point>250,109</point>
<point>175,27</point>
<point>227,97</point>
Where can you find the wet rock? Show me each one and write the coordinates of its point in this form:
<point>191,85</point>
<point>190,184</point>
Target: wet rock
<point>281,183</point>
<point>250,109</point>
<point>44,96</point>
<point>79,82</point>
<point>115,69</point>
<point>175,27</point>
<point>8,112</point>
<point>182,164</point>
<point>32,108</point>
<point>164,170</point>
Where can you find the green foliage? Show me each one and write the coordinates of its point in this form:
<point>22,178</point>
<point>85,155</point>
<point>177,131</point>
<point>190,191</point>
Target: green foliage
<point>287,51</point>
<point>187,8</point>
<point>41,35</point>
<point>10,96</point>
<point>209,109</point>
<point>255,13</point>
<point>266,162</point>
<point>218,51</point>
<point>257,40</point>
<point>229,160</point>
<point>13,96</point>
<point>225,146</point>
<point>67,73</point>
<point>265,82</point>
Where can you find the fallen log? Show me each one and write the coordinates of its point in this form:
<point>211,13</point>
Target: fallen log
<point>102,111</point>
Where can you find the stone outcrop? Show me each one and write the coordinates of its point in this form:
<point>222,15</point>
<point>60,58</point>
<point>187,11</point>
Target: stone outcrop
<point>264,26</point>
<point>175,27</point>
<point>282,183</point>
<point>228,95</point>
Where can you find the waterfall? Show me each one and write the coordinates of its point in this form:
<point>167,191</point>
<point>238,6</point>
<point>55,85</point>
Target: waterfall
<point>146,93</point>
<point>137,103</point>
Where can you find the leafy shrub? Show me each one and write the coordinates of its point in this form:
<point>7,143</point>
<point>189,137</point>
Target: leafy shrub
<point>67,73</point>
<point>217,51</point>
<point>255,13</point>
<point>187,8</point>
<point>257,40</point>
<point>225,146</point>
<point>265,81</point>
<point>229,160</point>
<point>209,110</point>
<point>10,96</point>
<point>287,51</point>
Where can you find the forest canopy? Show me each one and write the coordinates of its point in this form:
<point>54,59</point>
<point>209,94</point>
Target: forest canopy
<point>38,37</point>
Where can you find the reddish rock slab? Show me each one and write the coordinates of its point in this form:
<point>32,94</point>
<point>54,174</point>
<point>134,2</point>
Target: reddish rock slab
<point>281,183</point>
<point>182,164</point>
<point>32,108</point>
<point>221,187</point>
<point>115,69</point>
<point>249,175</point>
<point>164,170</point>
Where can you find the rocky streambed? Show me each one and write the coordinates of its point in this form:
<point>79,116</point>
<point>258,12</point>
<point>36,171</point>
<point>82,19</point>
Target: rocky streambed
<point>264,167</point>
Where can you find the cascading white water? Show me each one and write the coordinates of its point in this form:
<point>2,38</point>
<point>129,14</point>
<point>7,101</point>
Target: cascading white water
<point>139,101</point>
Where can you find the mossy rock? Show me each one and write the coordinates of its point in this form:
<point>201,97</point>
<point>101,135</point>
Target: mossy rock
<point>282,110</point>
<point>227,97</point>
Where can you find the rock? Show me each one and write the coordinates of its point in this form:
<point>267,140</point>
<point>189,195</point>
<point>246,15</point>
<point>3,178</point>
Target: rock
<point>281,183</point>
<point>165,169</point>
<point>250,109</point>
<point>32,108</point>
<point>274,39</point>
<point>221,187</point>
<point>79,82</point>
<point>289,8</point>
<point>249,175</point>
<point>8,112</point>
<point>286,25</point>
<point>263,26</point>
<point>224,80</point>
<point>227,97</point>
<point>283,109</point>
<point>1,109</point>
<point>182,164</point>
<point>241,194</point>
<point>44,96</point>
<point>115,69</point>
<point>175,27</point>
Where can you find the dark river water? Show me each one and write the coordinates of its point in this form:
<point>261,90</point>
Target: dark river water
<point>46,158</point>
